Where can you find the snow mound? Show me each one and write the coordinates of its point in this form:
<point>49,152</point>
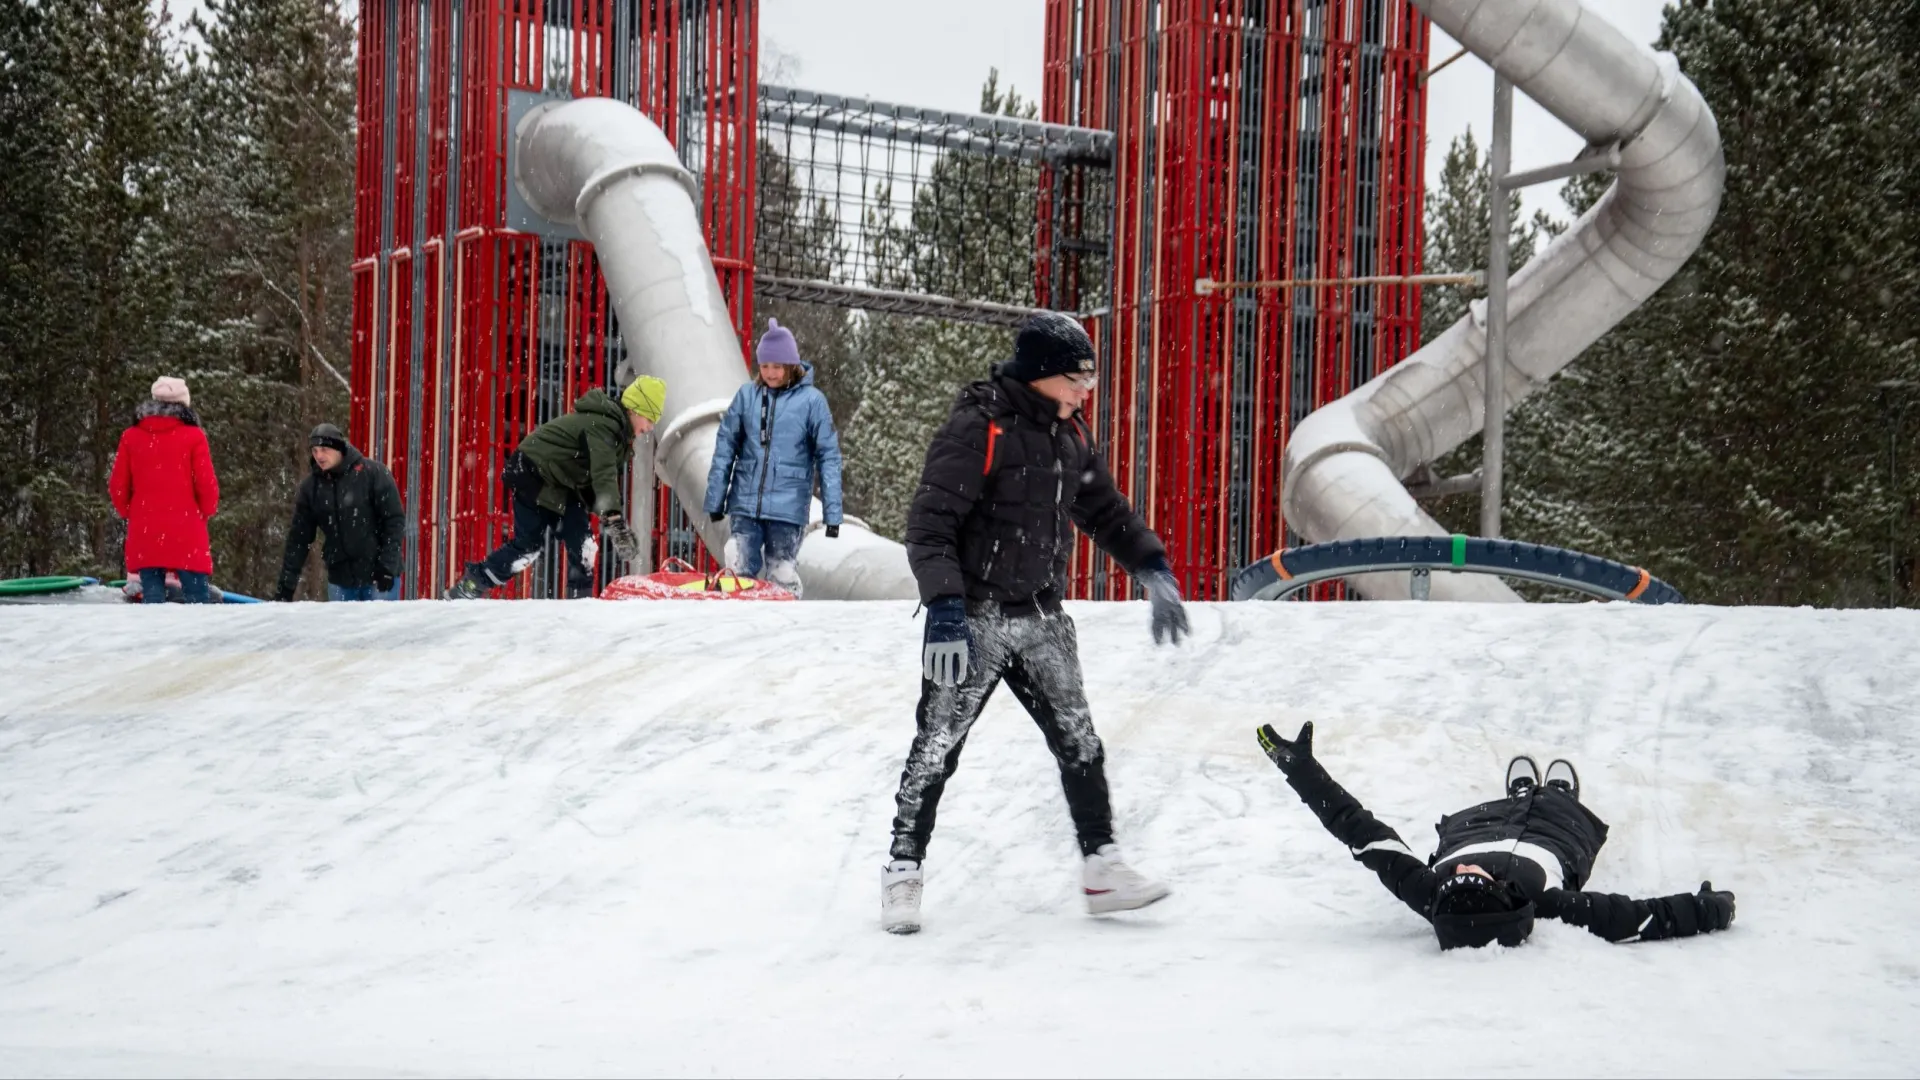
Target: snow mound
<point>551,838</point>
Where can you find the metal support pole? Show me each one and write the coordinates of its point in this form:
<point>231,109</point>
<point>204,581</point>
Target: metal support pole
<point>1494,431</point>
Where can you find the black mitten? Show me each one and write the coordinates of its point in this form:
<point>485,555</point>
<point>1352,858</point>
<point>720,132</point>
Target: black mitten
<point>1715,907</point>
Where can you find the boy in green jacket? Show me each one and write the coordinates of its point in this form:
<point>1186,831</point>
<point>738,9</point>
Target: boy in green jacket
<point>563,470</point>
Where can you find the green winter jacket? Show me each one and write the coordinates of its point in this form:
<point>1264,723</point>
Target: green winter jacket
<point>579,455</point>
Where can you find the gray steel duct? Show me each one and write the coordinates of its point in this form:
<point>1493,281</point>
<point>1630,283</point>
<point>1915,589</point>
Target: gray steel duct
<point>1344,464</point>
<point>602,166</point>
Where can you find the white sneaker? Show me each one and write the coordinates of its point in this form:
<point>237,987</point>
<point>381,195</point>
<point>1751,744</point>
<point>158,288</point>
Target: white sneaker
<point>1112,885</point>
<point>900,897</point>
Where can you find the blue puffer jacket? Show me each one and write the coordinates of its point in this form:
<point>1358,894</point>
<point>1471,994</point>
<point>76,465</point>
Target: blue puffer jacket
<point>770,444</point>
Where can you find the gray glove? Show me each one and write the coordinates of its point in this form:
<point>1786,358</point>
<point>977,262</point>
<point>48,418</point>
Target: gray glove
<point>625,544</point>
<point>1169,614</point>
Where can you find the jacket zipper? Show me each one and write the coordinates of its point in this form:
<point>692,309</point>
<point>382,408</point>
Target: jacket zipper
<point>766,450</point>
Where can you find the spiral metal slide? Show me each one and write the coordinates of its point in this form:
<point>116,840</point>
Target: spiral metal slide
<point>603,167</point>
<point>1343,465</point>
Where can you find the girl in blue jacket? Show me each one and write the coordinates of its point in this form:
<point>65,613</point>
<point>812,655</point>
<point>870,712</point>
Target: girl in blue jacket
<point>776,435</point>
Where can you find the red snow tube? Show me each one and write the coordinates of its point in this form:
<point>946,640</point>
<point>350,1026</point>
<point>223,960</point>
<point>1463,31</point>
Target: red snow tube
<point>682,582</point>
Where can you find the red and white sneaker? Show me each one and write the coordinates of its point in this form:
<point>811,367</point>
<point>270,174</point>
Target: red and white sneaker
<point>1111,885</point>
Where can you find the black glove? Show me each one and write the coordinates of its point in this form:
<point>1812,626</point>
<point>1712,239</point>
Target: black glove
<point>383,582</point>
<point>1169,615</point>
<point>1287,755</point>
<point>1716,907</point>
<point>717,515</point>
<point>948,656</point>
<point>614,527</point>
<point>833,532</point>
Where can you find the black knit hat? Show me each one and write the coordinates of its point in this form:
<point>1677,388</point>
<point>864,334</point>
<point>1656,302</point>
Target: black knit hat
<point>330,436</point>
<point>1049,344</point>
<point>1470,911</point>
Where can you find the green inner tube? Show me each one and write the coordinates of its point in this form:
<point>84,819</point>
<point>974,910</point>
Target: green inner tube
<point>33,586</point>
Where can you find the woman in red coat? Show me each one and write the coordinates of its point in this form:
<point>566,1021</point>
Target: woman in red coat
<point>163,484</point>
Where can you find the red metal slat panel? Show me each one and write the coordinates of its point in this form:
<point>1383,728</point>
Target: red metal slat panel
<point>439,112</point>
<point>406,127</point>
<point>425,577</point>
<point>390,448</point>
<point>366,277</point>
<point>593,47</point>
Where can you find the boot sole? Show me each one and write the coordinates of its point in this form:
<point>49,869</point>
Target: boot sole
<point>902,928</point>
<point>1106,904</point>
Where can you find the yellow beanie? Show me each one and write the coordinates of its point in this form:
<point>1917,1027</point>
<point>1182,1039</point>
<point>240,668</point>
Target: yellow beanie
<point>647,396</point>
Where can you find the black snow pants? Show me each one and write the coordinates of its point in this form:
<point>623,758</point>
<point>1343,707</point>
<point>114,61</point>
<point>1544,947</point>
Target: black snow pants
<point>531,524</point>
<point>1038,655</point>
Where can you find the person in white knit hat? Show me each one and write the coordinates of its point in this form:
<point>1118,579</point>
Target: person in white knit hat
<point>163,484</point>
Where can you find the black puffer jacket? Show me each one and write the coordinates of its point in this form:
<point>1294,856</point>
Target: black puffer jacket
<point>1551,820</point>
<point>357,505</point>
<point>1004,483</point>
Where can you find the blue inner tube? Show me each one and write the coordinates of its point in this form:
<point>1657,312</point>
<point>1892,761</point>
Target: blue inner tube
<point>1284,572</point>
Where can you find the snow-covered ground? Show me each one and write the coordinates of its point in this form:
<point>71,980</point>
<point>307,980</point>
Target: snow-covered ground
<point>645,838</point>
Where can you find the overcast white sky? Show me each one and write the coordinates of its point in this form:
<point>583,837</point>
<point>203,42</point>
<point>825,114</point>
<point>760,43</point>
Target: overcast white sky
<point>936,53</point>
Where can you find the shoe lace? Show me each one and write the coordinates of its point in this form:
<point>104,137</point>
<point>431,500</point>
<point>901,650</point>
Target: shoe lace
<point>904,892</point>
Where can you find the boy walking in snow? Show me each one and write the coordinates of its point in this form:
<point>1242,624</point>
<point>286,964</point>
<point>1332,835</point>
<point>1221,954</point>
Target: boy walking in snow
<point>560,469</point>
<point>1501,863</point>
<point>1007,477</point>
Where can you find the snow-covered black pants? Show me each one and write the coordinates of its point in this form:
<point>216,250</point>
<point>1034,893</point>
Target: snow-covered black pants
<point>1038,656</point>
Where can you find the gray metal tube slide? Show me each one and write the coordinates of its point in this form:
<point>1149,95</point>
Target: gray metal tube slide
<point>602,166</point>
<point>1343,464</point>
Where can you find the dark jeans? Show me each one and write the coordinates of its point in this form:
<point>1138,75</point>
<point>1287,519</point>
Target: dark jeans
<point>338,593</point>
<point>153,586</point>
<point>531,523</point>
<point>1038,656</point>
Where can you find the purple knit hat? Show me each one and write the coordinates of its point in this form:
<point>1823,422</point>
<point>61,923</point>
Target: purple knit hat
<point>777,346</point>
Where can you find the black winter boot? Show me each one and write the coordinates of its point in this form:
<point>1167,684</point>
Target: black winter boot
<point>1522,776</point>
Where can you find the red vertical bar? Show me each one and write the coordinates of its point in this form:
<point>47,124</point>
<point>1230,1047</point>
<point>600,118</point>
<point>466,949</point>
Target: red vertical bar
<point>369,176</point>
<point>426,501</point>
<point>398,399</point>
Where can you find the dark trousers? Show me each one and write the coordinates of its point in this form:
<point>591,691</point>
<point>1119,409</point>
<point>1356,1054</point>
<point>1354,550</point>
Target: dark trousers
<point>531,524</point>
<point>1038,656</point>
<point>153,586</point>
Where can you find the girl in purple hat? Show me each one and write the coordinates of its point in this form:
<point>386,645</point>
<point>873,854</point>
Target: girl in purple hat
<point>776,437</point>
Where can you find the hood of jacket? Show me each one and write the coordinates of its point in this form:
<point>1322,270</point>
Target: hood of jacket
<point>349,457</point>
<point>171,413</point>
<point>601,403</point>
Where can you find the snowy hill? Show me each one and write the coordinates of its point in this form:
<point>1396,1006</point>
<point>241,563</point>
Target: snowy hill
<point>645,838</point>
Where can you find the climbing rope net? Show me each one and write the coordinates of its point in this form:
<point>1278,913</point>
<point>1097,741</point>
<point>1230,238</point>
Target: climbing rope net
<point>914,211</point>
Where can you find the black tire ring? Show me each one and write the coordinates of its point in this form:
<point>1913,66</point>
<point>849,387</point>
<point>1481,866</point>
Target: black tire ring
<point>1579,571</point>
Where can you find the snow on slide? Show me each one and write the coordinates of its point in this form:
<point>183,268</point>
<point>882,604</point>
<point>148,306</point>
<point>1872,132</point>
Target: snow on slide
<point>593,839</point>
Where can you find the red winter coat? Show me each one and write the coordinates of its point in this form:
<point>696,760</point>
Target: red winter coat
<point>163,484</point>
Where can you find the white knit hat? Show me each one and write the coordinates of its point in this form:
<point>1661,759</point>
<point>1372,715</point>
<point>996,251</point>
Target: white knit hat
<point>168,388</point>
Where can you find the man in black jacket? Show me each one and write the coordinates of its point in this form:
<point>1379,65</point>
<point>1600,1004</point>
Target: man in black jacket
<point>1007,477</point>
<point>1501,863</point>
<point>354,501</point>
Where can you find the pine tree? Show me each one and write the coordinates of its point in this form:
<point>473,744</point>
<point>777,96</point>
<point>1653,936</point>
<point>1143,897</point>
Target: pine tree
<point>969,235</point>
<point>270,209</point>
<point>1749,432</point>
<point>1459,217</point>
<point>32,477</point>
<point>111,331</point>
